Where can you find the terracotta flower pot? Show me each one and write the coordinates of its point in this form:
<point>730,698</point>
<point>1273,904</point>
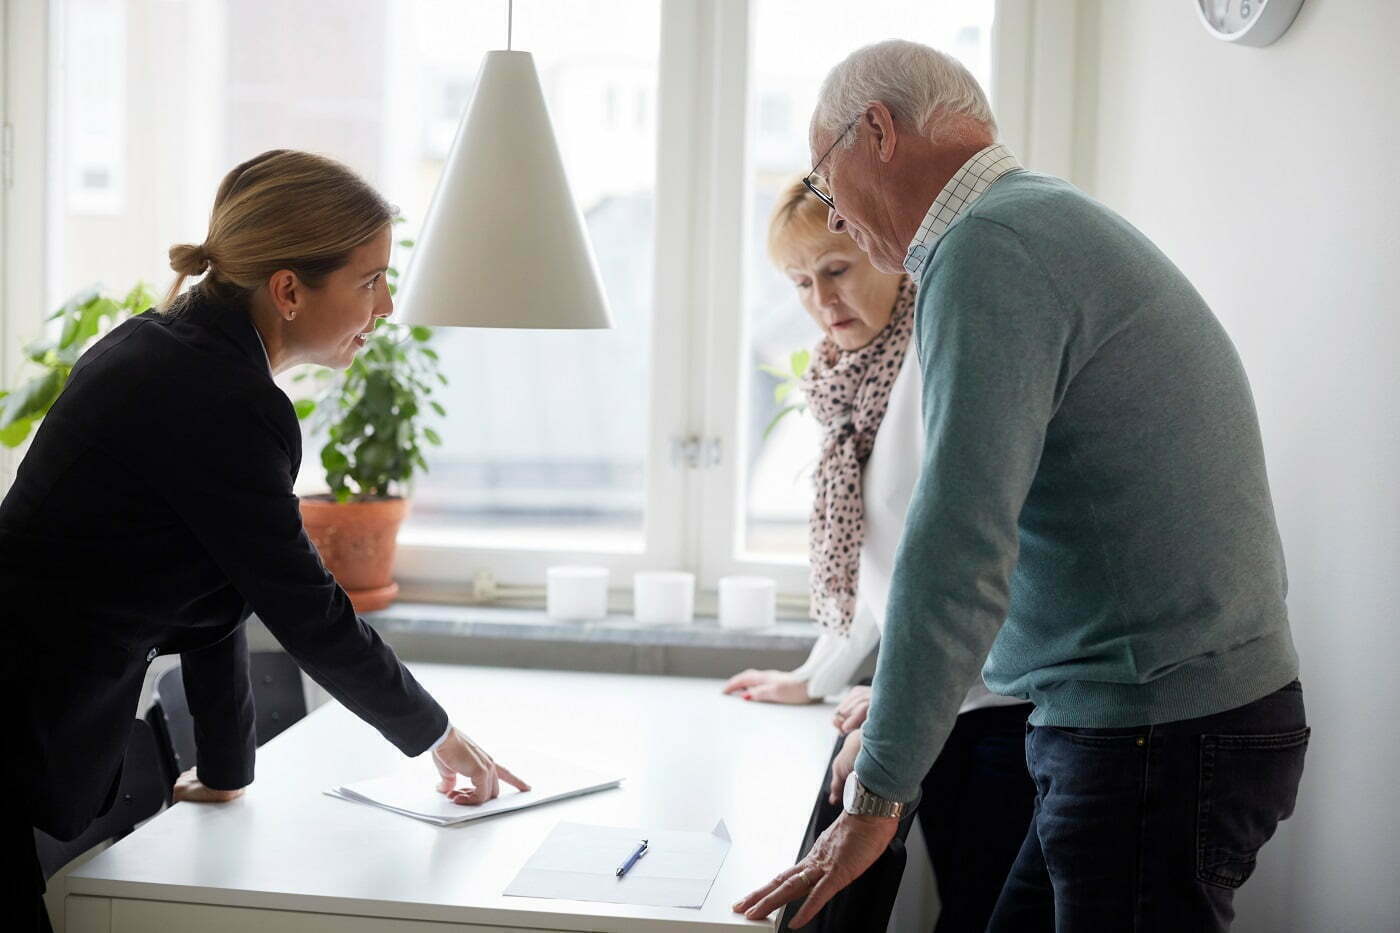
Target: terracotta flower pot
<point>357,541</point>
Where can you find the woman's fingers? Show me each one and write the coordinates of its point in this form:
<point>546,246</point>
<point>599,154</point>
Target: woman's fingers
<point>473,796</point>
<point>743,680</point>
<point>854,699</point>
<point>511,779</point>
<point>764,693</point>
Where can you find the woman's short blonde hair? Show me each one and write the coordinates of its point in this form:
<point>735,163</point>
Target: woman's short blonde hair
<point>798,224</point>
<point>283,209</point>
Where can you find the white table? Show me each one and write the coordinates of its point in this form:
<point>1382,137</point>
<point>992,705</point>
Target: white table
<point>286,858</point>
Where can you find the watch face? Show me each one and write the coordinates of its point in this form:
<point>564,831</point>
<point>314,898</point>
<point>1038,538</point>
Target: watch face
<point>1231,16</point>
<point>848,795</point>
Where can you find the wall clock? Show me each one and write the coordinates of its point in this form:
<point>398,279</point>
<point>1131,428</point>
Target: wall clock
<point>1247,22</point>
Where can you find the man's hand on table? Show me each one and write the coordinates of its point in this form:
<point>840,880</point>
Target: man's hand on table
<point>460,755</point>
<point>840,855</point>
<point>189,788</point>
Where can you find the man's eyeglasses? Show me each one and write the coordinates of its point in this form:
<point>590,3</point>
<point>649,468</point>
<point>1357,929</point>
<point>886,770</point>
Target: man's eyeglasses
<point>817,184</point>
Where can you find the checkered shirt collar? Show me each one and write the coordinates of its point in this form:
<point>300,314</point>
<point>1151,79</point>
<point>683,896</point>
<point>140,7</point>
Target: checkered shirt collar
<point>965,187</point>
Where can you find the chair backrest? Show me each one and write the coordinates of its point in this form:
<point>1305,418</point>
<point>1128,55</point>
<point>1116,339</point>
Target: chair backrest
<point>278,700</point>
<point>277,693</point>
<point>141,792</point>
<point>172,722</point>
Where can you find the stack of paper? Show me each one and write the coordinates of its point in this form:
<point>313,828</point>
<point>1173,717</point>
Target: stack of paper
<point>412,791</point>
<point>579,862</point>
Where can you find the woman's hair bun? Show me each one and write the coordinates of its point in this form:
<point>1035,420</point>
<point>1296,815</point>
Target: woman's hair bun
<point>186,259</point>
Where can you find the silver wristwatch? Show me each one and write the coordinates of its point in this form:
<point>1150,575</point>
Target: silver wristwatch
<point>859,800</point>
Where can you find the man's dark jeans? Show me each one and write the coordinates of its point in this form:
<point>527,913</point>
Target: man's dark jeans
<point>1152,828</point>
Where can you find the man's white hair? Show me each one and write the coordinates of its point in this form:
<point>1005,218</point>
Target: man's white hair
<point>920,85</point>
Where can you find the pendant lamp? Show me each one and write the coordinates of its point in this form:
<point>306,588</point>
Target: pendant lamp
<point>504,244</point>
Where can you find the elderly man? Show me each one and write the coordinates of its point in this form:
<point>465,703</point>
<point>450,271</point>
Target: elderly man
<point>1092,510</point>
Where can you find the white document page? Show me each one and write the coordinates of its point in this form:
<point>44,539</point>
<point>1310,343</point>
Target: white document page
<point>579,862</point>
<point>412,790</point>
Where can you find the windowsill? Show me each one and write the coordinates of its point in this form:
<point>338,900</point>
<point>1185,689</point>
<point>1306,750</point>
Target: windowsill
<point>490,636</point>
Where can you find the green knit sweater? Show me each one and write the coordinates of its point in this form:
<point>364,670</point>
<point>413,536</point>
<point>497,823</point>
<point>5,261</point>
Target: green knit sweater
<point>1092,506</point>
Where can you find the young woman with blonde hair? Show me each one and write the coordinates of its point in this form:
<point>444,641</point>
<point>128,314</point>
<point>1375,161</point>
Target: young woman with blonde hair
<point>864,388</point>
<point>154,513</point>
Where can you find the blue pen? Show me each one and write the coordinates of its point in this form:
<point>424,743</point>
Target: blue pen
<point>632,859</point>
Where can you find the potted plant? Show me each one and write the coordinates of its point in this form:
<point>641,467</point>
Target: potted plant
<point>787,394</point>
<point>83,317</point>
<point>373,418</point>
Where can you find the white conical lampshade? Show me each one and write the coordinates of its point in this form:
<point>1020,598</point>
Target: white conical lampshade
<point>503,244</point>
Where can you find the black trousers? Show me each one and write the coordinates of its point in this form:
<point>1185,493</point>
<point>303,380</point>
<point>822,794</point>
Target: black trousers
<point>23,877</point>
<point>974,810</point>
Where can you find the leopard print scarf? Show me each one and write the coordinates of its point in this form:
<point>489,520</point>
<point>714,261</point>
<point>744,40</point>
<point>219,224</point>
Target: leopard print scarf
<point>848,392</point>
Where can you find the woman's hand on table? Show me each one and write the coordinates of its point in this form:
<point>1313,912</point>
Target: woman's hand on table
<point>768,687</point>
<point>460,755</point>
<point>189,788</point>
<point>850,713</point>
<point>842,766</point>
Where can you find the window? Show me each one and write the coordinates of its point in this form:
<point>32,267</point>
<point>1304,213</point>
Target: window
<point>546,442</point>
<point>639,447</point>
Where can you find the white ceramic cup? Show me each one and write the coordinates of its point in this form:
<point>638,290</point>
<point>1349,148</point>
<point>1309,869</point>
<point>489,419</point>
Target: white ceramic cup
<point>747,602</point>
<point>577,594</point>
<point>663,597</point>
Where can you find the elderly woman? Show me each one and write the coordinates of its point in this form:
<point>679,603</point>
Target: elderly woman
<point>864,388</point>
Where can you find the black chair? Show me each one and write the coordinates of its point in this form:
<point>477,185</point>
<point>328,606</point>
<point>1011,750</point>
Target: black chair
<point>278,701</point>
<point>141,793</point>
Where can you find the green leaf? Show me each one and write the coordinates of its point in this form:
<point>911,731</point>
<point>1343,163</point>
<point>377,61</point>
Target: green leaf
<point>33,398</point>
<point>774,371</point>
<point>15,434</point>
<point>800,360</point>
<point>77,301</point>
<point>406,243</point>
<point>84,326</point>
<point>37,350</point>
<point>140,299</point>
<point>782,413</point>
<point>334,460</point>
<point>439,409</point>
<point>781,393</point>
<point>421,333</point>
<point>304,408</point>
<point>432,437</point>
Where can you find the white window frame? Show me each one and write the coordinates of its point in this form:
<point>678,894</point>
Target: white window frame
<point>694,516</point>
<point>25,192</point>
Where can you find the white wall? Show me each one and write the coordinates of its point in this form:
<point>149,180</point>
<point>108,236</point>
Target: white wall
<point>1270,176</point>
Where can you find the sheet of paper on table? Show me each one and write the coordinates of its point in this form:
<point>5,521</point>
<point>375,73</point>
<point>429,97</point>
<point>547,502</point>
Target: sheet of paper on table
<point>579,862</point>
<point>412,790</point>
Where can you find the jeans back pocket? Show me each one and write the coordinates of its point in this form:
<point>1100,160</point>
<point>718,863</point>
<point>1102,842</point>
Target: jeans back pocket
<point>1248,785</point>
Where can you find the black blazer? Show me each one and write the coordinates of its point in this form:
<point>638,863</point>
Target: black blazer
<point>153,513</point>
